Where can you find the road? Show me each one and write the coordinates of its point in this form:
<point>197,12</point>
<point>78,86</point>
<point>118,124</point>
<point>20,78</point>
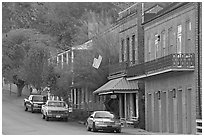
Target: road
<point>16,121</point>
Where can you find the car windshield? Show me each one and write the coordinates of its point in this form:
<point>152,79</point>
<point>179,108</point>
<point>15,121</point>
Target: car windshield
<point>104,115</point>
<point>56,104</point>
<point>38,98</point>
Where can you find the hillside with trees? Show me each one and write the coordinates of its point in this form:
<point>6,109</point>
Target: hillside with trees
<point>32,30</point>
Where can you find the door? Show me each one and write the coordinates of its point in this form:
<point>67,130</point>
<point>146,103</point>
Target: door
<point>179,110</point>
<point>156,113</point>
<point>149,112</point>
<point>163,111</point>
<point>171,112</point>
<point>188,111</point>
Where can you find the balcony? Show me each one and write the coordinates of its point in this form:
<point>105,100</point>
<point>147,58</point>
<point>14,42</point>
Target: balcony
<point>172,62</point>
<point>118,69</point>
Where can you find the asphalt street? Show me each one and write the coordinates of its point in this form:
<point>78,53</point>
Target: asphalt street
<point>16,121</point>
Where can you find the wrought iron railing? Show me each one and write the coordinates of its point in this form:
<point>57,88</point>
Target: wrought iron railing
<point>172,61</point>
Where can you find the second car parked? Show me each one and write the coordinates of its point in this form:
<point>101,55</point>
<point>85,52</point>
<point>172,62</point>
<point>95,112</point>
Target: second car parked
<point>55,109</point>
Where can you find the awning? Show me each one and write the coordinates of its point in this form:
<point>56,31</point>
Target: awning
<point>120,85</point>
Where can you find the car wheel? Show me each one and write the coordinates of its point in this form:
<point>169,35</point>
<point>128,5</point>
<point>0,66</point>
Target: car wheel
<point>94,128</point>
<point>87,127</point>
<point>43,116</point>
<point>118,130</point>
<point>46,118</point>
<point>26,109</point>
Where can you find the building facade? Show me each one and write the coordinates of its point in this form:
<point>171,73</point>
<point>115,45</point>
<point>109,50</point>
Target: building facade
<point>79,95</point>
<point>124,94</point>
<point>171,69</point>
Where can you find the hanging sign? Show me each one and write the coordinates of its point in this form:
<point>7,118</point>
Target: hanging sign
<point>113,96</point>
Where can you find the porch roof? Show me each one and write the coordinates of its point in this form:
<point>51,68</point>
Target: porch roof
<point>119,85</point>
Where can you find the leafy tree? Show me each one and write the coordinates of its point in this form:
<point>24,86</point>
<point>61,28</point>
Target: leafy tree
<point>58,19</point>
<point>67,22</point>
<point>25,54</point>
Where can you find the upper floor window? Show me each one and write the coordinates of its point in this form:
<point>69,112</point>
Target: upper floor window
<point>122,50</point>
<point>179,38</point>
<point>133,49</point>
<point>128,49</point>
<point>149,48</point>
<point>163,42</point>
<point>170,41</point>
<point>188,34</point>
<point>156,43</point>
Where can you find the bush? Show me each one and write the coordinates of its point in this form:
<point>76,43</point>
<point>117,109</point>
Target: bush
<point>79,114</point>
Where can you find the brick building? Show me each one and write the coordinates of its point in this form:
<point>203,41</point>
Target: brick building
<point>171,68</point>
<point>124,94</point>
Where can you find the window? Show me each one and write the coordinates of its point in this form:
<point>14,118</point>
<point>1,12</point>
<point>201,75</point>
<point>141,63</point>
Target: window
<point>163,42</point>
<point>128,50</point>
<point>122,50</point>
<point>170,41</point>
<point>179,34</point>
<point>156,43</point>
<point>149,48</point>
<point>133,49</point>
<point>188,36</point>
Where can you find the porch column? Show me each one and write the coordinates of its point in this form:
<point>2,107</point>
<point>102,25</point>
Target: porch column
<point>78,98</point>
<point>120,105</point>
<point>125,106</point>
<point>82,97</point>
<point>137,105</point>
<point>57,60</point>
<point>71,97</point>
<point>62,56</point>
<point>67,53</point>
<point>131,106</point>
<point>75,97</point>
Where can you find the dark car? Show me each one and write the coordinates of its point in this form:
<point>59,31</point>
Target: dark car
<point>34,102</point>
<point>103,120</point>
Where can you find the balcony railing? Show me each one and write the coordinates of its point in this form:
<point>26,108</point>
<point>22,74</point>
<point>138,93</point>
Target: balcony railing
<point>178,62</point>
<point>119,68</point>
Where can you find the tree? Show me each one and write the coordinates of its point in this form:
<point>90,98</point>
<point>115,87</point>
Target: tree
<point>63,21</point>
<point>25,53</point>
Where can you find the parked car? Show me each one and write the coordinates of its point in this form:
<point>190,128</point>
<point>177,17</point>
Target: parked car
<point>55,109</point>
<point>103,120</point>
<point>34,102</point>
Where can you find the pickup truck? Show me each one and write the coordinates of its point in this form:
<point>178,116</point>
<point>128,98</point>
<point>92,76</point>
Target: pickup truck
<point>55,109</point>
<point>34,102</point>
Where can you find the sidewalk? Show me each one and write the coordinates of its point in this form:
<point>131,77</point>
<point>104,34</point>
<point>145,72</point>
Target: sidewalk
<point>136,131</point>
<point>130,130</point>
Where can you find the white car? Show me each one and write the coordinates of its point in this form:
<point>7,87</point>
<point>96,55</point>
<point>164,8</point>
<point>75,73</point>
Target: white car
<point>55,109</point>
<point>103,120</point>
